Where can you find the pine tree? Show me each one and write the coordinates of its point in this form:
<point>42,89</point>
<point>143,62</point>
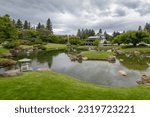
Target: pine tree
<point>29,25</point>
<point>49,26</point>
<point>100,31</point>
<point>25,26</point>
<point>140,28</point>
<point>38,26</point>
<point>19,24</point>
<point>147,27</point>
<point>79,33</point>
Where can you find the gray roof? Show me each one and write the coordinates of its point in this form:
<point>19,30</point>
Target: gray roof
<point>24,60</point>
<point>93,37</point>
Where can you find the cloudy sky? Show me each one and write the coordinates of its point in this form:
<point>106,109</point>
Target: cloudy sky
<point>69,15</point>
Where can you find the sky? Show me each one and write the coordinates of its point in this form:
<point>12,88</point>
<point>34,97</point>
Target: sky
<point>69,15</point>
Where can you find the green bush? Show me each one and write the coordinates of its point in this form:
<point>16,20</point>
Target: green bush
<point>6,62</point>
<point>11,44</point>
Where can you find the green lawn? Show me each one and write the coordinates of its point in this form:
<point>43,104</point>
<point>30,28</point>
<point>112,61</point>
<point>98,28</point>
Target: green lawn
<point>26,46</point>
<point>4,50</point>
<point>53,86</point>
<point>96,54</point>
<point>52,46</point>
<point>143,50</point>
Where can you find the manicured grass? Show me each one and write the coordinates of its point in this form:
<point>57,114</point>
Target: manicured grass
<point>4,50</point>
<point>52,46</point>
<point>96,54</point>
<point>109,47</point>
<point>26,46</point>
<point>49,85</point>
<point>143,50</point>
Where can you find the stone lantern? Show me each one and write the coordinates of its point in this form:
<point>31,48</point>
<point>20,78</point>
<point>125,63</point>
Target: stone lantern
<point>25,64</point>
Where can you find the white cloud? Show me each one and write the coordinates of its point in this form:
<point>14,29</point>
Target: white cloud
<point>67,15</point>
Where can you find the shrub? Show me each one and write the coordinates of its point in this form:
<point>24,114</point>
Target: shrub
<point>10,44</point>
<point>6,62</point>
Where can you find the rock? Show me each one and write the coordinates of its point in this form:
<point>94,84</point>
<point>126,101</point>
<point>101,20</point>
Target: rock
<point>79,57</point>
<point>84,58</point>
<point>145,78</point>
<point>111,59</point>
<point>123,73</point>
<point>136,53</point>
<point>43,69</point>
<point>12,73</point>
<point>139,82</point>
<point>120,52</point>
<point>6,55</point>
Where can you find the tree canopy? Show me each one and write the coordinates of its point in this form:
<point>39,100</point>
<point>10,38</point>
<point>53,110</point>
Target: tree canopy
<point>133,37</point>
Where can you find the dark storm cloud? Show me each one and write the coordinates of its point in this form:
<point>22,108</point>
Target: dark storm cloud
<point>68,15</point>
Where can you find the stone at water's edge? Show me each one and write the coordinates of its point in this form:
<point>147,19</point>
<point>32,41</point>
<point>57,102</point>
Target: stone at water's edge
<point>136,53</point>
<point>123,73</point>
<point>84,58</point>
<point>119,52</point>
<point>12,73</point>
<point>111,58</point>
<point>43,69</point>
<point>145,79</point>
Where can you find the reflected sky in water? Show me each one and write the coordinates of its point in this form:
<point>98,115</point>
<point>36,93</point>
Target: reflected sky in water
<point>98,72</point>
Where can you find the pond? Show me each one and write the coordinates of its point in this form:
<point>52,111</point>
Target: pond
<point>98,72</point>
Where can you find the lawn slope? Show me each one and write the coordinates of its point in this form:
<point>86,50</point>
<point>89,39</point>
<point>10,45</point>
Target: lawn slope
<point>51,86</point>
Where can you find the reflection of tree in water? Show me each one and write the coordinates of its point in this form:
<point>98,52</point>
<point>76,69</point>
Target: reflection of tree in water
<point>134,62</point>
<point>41,57</point>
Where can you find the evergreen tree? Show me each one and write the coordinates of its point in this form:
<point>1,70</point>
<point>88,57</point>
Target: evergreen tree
<point>49,26</point>
<point>140,28</point>
<point>100,31</point>
<point>38,26</point>
<point>29,25</point>
<point>92,33</point>
<point>25,26</point>
<point>147,27</point>
<point>79,33</point>
<point>19,24</point>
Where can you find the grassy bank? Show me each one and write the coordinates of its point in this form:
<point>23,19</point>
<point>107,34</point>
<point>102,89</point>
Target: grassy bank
<point>51,85</point>
<point>96,54</point>
<point>3,50</point>
<point>142,50</point>
<point>52,46</point>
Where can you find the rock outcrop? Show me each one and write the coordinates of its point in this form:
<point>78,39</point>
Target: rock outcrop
<point>136,53</point>
<point>111,59</point>
<point>145,79</point>
<point>12,73</point>
<point>123,73</point>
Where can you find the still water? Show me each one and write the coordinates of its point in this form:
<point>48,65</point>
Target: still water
<point>98,72</point>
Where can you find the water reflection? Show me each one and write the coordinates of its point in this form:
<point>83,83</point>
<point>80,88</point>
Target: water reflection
<point>134,62</point>
<point>99,72</point>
